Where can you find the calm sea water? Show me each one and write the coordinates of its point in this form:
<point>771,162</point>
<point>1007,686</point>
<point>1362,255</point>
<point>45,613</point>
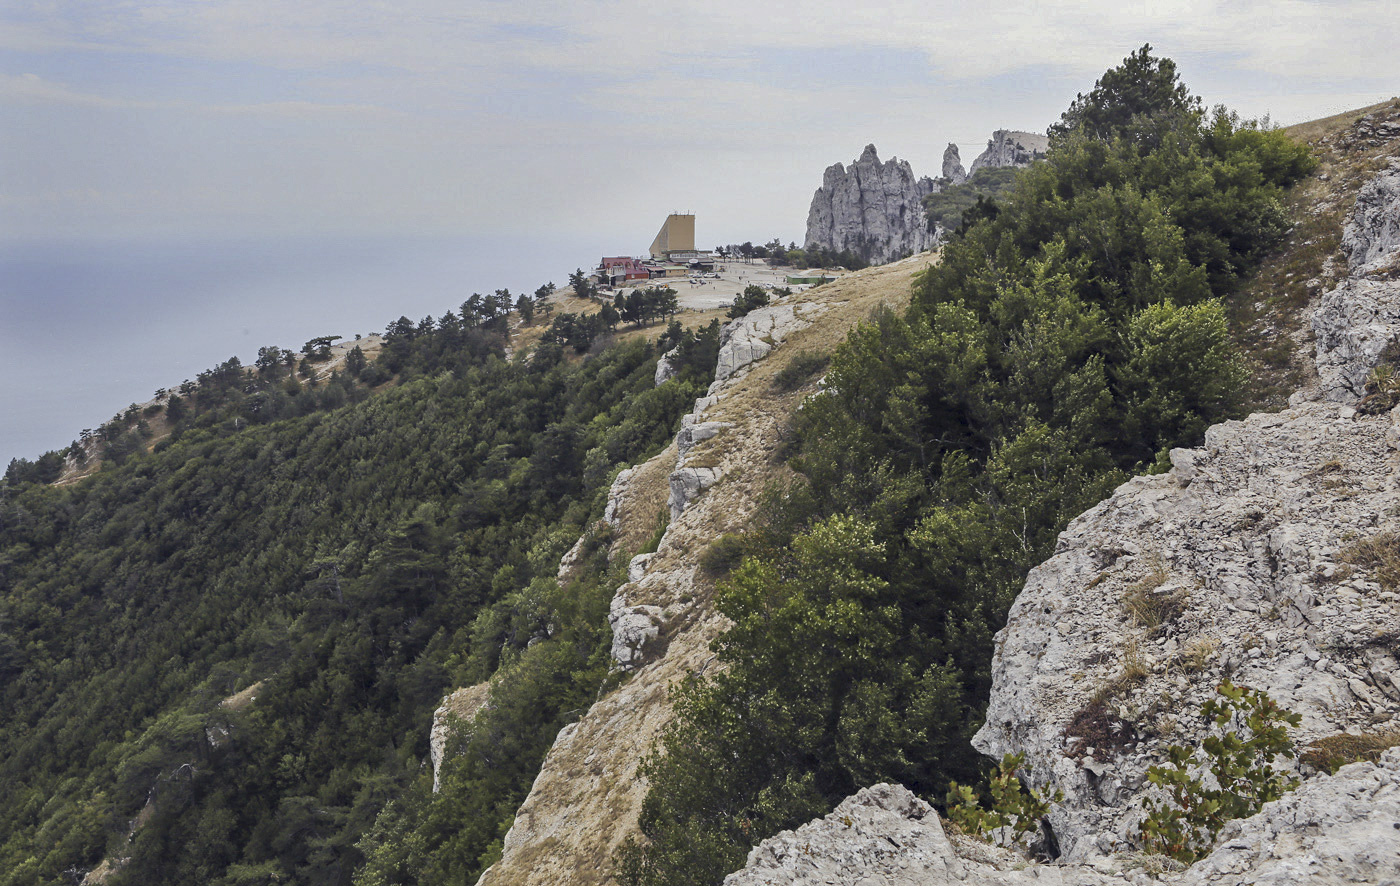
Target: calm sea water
<point>87,328</point>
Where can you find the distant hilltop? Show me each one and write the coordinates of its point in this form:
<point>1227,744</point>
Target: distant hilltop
<point>875,209</point>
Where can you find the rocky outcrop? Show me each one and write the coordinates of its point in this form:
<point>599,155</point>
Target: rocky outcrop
<point>1230,565</point>
<point>1339,830</point>
<point>1372,236</point>
<point>1009,147</point>
<point>953,171</point>
<point>665,366</point>
<point>588,794</point>
<point>742,342</point>
<point>752,336</point>
<point>457,710</point>
<point>1354,325</point>
<point>1332,831</point>
<point>873,209</point>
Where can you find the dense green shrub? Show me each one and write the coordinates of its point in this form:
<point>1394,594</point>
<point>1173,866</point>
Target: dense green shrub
<point>1185,823</point>
<point>1068,338</point>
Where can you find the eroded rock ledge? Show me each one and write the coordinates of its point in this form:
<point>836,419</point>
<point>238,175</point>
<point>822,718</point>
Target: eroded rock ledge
<point>1334,830</point>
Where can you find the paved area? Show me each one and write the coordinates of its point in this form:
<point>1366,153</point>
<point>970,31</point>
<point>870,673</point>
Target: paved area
<point>707,293</point>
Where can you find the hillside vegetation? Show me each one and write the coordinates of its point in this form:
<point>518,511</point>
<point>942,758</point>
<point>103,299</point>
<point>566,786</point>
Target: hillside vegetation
<point>338,570</point>
<point>219,659</point>
<point>1072,335</point>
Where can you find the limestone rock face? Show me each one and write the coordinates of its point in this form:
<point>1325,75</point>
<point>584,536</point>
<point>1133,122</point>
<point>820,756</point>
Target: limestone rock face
<point>885,835</point>
<point>873,209</point>
<point>457,707</point>
<point>742,342</point>
<point>952,165</point>
<point>664,370</point>
<point>1336,830</point>
<point>1372,236</point>
<point>1354,324</point>
<point>633,627</point>
<point>1243,535</point>
<point>1331,831</point>
<point>1008,147</point>
<point>753,335</point>
<point>1240,545</point>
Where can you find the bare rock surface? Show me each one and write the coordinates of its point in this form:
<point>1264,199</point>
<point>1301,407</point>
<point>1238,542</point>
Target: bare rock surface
<point>1372,236</point>
<point>885,835</point>
<point>457,709</point>
<point>1009,147</point>
<point>1338,830</point>
<point>753,335</point>
<point>1353,325</point>
<point>742,342</point>
<point>953,170</point>
<point>1333,830</point>
<point>873,209</point>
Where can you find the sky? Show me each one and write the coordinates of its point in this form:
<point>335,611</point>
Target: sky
<point>131,118</point>
<point>184,178</point>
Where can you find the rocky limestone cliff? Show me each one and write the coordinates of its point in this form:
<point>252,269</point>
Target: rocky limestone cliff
<point>588,794</point>
<point>873,209</point>
<point>1240,547</point>
<point>1008,147</point>
<point>1235,561</point>
<point>1333,830</point>
<point>953,171</point>
<point>457,710</point>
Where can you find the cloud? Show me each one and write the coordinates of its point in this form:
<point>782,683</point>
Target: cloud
<point>484,112</point>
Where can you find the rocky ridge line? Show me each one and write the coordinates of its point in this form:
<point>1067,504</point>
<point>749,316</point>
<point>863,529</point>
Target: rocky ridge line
<point>873,209</point>
<point>1010,147</point>
<point>588,794</point>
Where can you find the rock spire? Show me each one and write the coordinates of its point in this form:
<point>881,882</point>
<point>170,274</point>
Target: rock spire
<point>873,209</point>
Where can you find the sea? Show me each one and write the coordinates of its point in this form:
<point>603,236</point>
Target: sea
<point>88,327</point>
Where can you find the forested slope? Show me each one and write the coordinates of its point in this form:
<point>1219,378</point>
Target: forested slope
<point>347,564</point>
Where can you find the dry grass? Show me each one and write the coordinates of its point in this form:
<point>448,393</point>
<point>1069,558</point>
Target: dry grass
<point>240,700</point>
<point>1148,605</point>
<point>1268,315</point>
<point>1097,724</point>
<point>1379,553</point>
<point>1335,751</point>
<point>1194,657</point>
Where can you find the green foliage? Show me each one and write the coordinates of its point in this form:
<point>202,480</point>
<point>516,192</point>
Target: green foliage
<point>807,706</point>
<point>663,521</point>
<point>1072,334</point>
<point>1140,100</point>
<point>644,306</point>
<point>1184,825</point>
<point>799,370</point>
<point>818,257</point>
<point>753,296</point>
<point>352,563</point>
<point>948,207</point>
<point>1012,804</point>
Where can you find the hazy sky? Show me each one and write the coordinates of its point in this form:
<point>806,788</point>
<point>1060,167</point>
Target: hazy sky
<point>463,117</point>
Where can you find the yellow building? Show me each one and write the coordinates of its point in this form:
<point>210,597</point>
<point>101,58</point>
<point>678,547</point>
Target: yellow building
<point>676,235</point>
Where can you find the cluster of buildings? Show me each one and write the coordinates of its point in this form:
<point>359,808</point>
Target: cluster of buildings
<point>672,254</point>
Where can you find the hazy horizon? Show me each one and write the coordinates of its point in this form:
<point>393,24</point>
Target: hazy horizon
<point>554,129</point>
<point>91,326</point>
